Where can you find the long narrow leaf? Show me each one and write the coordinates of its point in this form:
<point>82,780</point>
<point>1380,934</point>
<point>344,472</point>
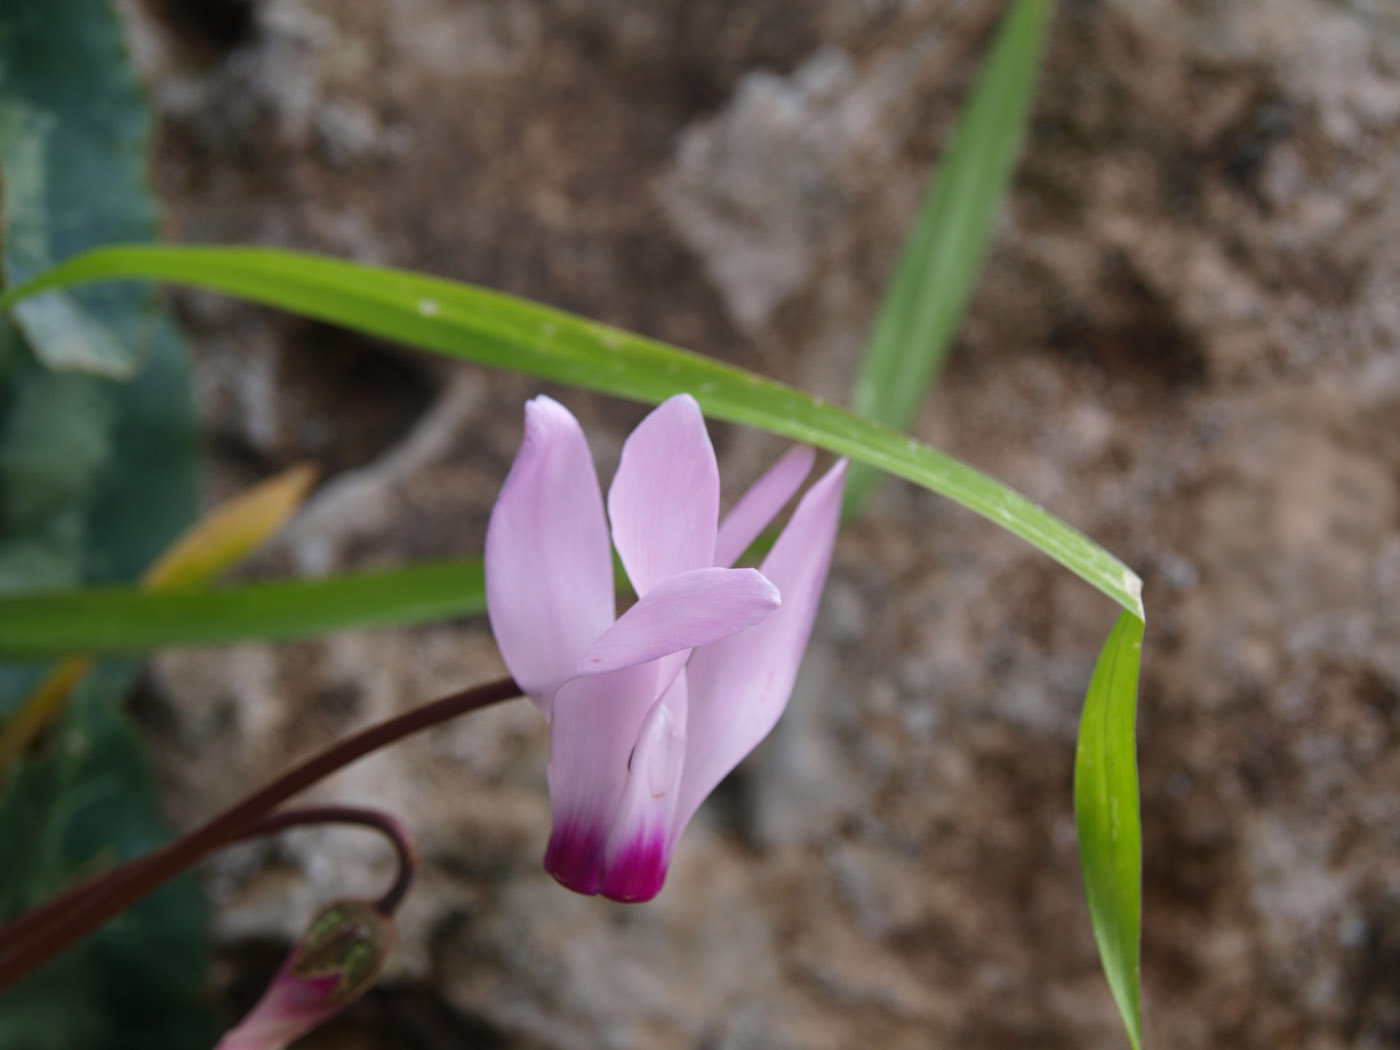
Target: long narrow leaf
<point>125,620</point>
<point>942,259</point>
<point>1107,816</point>
<point>505,332</point>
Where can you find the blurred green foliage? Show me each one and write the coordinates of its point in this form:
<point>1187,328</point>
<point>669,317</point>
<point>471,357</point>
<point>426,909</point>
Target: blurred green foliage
<point>88,802</point>
<point>73,136</point>
<point>98,473</point>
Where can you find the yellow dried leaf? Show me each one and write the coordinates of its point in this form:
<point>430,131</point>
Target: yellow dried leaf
<point>231,531</point>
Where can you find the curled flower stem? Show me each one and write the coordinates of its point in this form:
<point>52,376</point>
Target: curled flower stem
<point>33,938</point>
<point>385,823</point>
<point>32,921</point>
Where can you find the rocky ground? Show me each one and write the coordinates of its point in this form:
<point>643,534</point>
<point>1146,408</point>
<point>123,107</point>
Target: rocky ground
<point>1187,342</point>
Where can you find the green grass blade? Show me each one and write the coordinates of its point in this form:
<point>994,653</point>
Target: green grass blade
<point>502,331</point>
<point>126,620</point>
<point>938,269</point>
<point>1107,815</point>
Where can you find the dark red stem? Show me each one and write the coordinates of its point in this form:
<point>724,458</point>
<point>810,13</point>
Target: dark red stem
<point>33,938</point>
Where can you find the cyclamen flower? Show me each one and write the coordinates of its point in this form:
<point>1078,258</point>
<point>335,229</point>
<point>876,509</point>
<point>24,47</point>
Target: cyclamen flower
<point>649,711</point>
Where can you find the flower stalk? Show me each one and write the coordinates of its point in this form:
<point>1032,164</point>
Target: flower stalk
<point>35,937</point>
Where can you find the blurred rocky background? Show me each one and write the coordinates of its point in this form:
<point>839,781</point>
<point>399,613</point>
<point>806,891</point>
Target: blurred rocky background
<point>1187,343</point>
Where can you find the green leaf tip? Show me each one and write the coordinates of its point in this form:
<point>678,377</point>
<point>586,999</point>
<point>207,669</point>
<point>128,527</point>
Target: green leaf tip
<point>1107,815</point>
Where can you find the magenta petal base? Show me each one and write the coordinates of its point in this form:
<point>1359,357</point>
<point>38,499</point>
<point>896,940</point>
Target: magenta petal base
<point>638,872</point>
<point>575,856</point>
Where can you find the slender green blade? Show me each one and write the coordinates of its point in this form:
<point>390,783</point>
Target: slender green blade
<point>494,329</point>
<point>942,259</point>
<point>128,620</point>
<point>1107,814</point>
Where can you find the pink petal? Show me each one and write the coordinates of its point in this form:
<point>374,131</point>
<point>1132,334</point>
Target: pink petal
<point>291,1007</point>
<point>664,500</point>
<point>761,503</point>
<point>595,723</point>
<point>740,685</point>
<point>549,583</point>
<point>692,609</point>
<point>639,845</point>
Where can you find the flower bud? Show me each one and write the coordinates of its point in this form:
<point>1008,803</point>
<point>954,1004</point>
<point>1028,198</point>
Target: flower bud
<point>335,962</point>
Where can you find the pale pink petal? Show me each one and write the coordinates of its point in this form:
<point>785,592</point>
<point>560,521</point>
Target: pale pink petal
<point>639,844</point>
<point>549,575</point>
<point>761,503</point>
<point>291,1007</point>
<point>595,723</point>
<point>740,685</point>
<point>692,609</point>
<point>664,500</point>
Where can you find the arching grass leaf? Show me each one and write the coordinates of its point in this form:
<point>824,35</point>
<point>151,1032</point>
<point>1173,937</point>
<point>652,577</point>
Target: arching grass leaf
<point>494,329</point>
